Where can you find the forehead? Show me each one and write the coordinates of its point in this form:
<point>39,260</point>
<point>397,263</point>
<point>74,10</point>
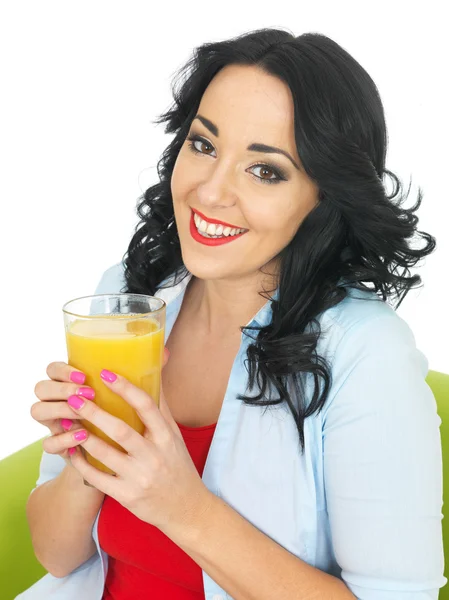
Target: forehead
<point>245,100</point>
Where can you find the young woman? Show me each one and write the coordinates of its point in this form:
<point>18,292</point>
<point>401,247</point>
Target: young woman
<point>296,452</point>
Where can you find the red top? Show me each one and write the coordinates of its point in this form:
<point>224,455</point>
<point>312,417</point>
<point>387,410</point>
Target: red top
<point>142,559</point>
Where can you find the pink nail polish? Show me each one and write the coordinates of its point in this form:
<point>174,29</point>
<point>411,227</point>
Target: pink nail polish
<point>77,377</point>
<point>75,402</point>
<point>72,451</point>
<point>108,376</point>
<point>66,424</point>
<point>80,436</point>
<point>86,392</point>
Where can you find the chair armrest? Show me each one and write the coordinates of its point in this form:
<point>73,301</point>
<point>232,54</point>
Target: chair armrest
<point>19,568</point>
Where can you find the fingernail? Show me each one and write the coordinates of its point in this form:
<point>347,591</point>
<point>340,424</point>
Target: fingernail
<point>80,436</point>
<point>86,392</point>
<point>72,451</point>
<point>75,402</point>
<point>66,424</point>
<point>108,376</point>
<point>78,377</point>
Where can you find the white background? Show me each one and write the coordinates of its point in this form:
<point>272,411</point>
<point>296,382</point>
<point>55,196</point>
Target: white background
<point>81,84</point>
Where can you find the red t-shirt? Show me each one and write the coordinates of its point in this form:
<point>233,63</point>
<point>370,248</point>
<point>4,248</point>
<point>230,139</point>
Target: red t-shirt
<point>143,561</point>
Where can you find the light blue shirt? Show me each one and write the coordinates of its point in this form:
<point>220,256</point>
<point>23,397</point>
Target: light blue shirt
<point>363,502</point>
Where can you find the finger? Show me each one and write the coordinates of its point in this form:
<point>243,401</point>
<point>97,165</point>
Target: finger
<point>43,411</point>
<point>56,427</point>
<point>165,412</point>
<point>116,429</point>
<point>68,424</point>
<point>54,390</point>
<point>166,357</point>
<point>111,457</point>
<point>61,371</point>
<point>163,406</point>
<point>142,402</point>
<point>104,482</point>
<point>55,444</point>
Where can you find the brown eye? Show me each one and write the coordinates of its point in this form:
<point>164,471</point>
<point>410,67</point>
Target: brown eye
<point>278,177</point>
<point>199,141</point>
<point>264,168</point>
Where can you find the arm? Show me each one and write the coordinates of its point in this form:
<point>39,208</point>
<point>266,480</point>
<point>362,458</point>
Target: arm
<point>245,562</point>
<point>61,510</point>
<point>383,465</point>
<point>61,513</point>
<point>383,478</point>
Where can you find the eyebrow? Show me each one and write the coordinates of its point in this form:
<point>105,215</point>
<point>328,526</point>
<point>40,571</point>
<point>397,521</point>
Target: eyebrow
<point>255,147</point>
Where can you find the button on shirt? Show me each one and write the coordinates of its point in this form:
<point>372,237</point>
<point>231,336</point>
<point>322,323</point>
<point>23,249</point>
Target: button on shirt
<point>363,502</point>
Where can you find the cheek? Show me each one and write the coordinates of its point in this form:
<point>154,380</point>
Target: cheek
<point>176,179</point>
<point>182,184</point>
<point>270,221</point>
<point>179,178</point>
<point>277,227</point>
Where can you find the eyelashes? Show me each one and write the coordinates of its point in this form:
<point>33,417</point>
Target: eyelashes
<point>279,175</point>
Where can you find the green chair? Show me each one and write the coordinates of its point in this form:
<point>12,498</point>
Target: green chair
<point>19,568</point>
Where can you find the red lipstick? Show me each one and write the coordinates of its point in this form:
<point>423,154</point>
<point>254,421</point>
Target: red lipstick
<point>215,221</point>
<point>211,241</point>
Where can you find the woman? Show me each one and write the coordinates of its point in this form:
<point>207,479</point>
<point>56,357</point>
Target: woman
<point>336,491</point>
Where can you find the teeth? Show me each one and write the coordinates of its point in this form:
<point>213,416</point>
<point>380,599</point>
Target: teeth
<point>212,229</point>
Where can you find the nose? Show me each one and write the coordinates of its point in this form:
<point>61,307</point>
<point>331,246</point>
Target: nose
<point>216,190</point>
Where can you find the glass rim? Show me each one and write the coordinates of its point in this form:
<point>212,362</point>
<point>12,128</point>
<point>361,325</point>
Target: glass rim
<point>134,315</point>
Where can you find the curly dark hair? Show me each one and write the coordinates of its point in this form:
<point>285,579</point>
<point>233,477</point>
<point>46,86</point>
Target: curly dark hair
<point>356,232</point>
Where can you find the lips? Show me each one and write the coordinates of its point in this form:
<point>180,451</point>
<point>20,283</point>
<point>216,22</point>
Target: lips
<point>211,241</point>
<point>216,221</point>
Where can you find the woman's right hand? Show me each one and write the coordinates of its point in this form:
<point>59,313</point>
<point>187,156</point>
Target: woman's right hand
<point>54,412</point>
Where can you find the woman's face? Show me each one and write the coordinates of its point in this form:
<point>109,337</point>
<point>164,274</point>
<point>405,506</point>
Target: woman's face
<point>261,192</point>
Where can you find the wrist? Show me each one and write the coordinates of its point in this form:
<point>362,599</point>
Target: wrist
<point>188,530</point>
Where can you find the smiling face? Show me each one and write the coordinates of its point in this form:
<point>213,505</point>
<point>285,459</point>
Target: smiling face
<point>218,176</point>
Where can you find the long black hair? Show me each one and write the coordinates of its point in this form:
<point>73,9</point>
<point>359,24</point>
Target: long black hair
<point>356,232</point>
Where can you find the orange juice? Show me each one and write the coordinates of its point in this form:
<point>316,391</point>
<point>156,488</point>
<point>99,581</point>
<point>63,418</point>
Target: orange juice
<point>131,347</point>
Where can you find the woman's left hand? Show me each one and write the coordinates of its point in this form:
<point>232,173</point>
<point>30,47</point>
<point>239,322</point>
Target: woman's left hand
<point>156,480</point>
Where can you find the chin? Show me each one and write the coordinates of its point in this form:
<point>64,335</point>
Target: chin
<point>205,268</point>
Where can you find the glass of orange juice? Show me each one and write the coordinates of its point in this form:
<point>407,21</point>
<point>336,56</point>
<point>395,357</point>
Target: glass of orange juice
<point>124,333</point>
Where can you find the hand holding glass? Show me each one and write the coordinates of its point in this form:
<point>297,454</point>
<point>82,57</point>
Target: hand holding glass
<point>124,333</point>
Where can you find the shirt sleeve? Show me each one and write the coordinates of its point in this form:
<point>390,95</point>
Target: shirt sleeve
<point>52,465</point>
<point>383,465</point>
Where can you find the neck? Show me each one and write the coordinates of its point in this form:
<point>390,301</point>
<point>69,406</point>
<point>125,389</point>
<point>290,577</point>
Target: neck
<point>221,307</point>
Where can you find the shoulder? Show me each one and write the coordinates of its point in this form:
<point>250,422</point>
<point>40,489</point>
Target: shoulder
<point>372,354</point>
<point>364,320</point>
<point>112,280</point>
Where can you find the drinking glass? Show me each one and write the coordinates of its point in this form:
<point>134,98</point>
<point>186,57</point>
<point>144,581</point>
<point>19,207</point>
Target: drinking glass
<point>124,333</point>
